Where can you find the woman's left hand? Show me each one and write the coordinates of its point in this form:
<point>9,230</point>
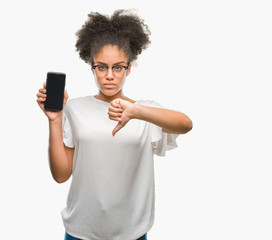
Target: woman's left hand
<point>121,111</point>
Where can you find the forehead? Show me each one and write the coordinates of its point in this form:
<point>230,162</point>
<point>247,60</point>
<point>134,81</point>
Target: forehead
<point>110,54</point>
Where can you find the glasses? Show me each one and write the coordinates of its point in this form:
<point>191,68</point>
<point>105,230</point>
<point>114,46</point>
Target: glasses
<point>102,70</point>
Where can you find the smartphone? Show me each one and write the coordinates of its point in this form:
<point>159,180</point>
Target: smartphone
<point>55,85</point>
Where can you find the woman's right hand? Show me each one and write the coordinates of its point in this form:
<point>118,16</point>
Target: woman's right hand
<point>41,97</point>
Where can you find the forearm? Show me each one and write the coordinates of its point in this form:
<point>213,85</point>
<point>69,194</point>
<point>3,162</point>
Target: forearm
<point>172,121</point>
<point>59,164</point>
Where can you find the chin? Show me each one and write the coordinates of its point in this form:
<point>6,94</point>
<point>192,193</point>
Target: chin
<point>109,92</point>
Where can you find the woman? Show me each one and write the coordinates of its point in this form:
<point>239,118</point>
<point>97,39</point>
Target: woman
<point>107,141</point>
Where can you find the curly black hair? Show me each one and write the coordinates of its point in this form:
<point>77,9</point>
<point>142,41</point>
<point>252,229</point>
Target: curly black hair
<point>124,29</point>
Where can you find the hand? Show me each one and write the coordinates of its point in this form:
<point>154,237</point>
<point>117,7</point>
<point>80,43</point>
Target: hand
<point>41,97</point>
<point>121,111</point>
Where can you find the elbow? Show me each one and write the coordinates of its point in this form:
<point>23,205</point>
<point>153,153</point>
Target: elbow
<point>58,180</point>
<point>61,175</point>
<point>61,179</point>
<point>186,124</point>
<point>187,127</point>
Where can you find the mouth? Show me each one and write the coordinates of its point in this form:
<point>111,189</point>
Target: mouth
<point>109,85</point>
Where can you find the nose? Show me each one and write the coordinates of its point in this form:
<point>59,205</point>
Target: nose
<point>109,74</point>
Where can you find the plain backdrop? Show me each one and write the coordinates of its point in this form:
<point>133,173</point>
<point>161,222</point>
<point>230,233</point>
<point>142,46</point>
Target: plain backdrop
<point>209,59</point>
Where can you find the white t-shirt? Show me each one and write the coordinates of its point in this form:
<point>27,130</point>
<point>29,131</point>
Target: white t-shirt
<point>112,190</point>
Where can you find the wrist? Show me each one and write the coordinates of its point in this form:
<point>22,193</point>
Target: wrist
<point>137,111</point>
<point>55,121</point>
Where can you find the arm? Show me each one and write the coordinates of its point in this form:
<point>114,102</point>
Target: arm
<point>170,121</point>
<point>60,156</point>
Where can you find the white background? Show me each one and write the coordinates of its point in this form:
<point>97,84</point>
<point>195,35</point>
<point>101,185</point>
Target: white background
<point>208,59</point>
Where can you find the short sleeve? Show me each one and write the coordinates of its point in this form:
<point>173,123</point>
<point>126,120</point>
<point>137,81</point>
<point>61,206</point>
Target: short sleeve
<point>161,141</point>
<point>67,131</point>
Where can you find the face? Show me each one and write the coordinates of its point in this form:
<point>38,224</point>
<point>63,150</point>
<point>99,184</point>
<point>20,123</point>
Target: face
<point>110,82</point>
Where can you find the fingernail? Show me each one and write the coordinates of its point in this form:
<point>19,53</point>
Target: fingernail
<point>119,119</point>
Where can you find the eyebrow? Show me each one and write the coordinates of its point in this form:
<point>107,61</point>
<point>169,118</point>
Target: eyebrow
<point>113,64</point>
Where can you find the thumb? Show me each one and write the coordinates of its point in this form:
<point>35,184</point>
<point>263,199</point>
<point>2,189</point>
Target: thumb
<point>116,129</point>
<point>66,96</point>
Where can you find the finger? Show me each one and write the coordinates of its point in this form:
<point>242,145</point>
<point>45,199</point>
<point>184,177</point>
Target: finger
<point>116,103</point>
<point>116,129</point>
<point>41,94</point>
<point>66,96</point>
<point>44,87</point>
<point>41,99</point>
<point>113,109</point>
<point>41,104</point>
<point>113,114</point>
<point>119,119</point>
<point>42,90</point>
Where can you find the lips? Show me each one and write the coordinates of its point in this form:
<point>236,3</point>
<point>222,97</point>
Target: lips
<point>109,85</point>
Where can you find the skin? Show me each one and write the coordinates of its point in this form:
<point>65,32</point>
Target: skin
<point>110,56</point>
<point>122,109</point>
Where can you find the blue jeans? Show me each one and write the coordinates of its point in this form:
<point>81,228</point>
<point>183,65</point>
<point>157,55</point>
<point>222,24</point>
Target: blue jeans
<point>69,237</point>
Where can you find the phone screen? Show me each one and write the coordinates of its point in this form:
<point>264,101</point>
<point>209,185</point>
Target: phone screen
<point>55,85</point>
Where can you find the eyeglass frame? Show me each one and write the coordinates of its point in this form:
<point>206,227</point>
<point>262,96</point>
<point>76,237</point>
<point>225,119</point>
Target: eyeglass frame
<point>107,67</point>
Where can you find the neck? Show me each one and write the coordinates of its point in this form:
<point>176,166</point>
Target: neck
<point>108,99</point>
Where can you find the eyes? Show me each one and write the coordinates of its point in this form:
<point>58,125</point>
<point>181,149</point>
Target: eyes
<point>116,68</point>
